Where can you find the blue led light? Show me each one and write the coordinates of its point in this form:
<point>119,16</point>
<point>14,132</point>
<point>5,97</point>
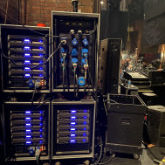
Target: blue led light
<point>28,130</point>
<point>73,135</point>
<point>27,54</point>
<point>84,122</point>
<point>28,112</point>
<point>41,62</point>
<point>28,124</point>
<point>27,75</point>
<point>40,130</point>
<point>28,142</point>
<point>28,118</point>
<point>85,117</point>
<point>41,68</point>
<point>41,41</point>
<point>85,129</point>
<point>84,140</point>
<point>40,141</point>
<point>41,118</point>
<point>73,123</point>
<point>41,48</point>
<point>41,124</point>
<point>27,69</point>
<point>73,117</point>
<point>26,40</point>
<point>85,111</point>
<point>72,141</point>
<point>41,55</point>
<point>84,134</point>
<point>27,62</point>
<point>28,136</point>
<point>73,111</point>
<point>40,136</point>
<point>41,75</point>
<point>26,48</point>
<point>73,129</point>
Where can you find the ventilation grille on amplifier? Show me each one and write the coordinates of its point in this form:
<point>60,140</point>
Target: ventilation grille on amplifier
<point>28,129</point>
<point>27,64</point>
<point>73,126</point>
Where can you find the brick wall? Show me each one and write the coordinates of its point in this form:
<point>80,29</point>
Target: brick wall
<point>40,10</point>
<point>9,9</point>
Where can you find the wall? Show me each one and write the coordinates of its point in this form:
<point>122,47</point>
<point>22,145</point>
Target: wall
<point>40,10</point>
<point>9,11</point>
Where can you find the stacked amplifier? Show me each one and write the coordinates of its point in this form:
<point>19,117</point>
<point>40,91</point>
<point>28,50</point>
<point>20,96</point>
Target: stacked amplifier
<point>25,50</point>
<point>37,64</point>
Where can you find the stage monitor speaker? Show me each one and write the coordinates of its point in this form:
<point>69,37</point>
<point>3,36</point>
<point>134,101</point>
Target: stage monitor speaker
<point>109,65</point>
<point>156,124</point>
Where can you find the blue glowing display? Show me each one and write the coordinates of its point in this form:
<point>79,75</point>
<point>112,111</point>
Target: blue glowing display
<point>73,111</point>
<point>27,75</point>
<point>28,130</point>
<point>84,134</point>
<point>28,124</point>
<point>84,122</point>
<point>41,75</point>
<point>28,136</point>
<point>41,48</point>
<point>26,47</point>
<point>72,141</point>
<point>73,135</point>
<point>27,62</point>
<point>72,129</point>
<point>85,111</point>
<point>28,142</point>
<point>27,54</point>
<point>28,118</point>
<point>28,112</point>
<point>73,117</point>
<point>27,69</point>
<point>73,123</point>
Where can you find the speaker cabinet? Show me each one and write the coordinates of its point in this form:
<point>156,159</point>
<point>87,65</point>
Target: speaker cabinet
<point>125,124</point>
<point>156,124</point>
<point>109,65</point>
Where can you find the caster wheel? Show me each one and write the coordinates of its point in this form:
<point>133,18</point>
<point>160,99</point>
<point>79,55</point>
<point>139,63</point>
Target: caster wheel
<point>58,163</point>
<point>136,156</point>
<point>86,162</point>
